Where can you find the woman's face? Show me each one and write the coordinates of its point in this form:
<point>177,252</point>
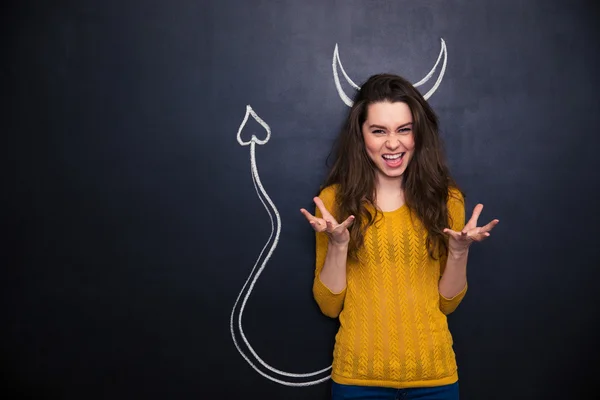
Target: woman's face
<point>389,138</point>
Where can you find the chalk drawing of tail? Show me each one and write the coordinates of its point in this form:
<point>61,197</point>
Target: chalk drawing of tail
<point>235,322</point>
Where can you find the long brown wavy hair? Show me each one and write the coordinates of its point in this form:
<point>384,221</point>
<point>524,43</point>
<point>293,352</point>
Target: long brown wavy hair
<point>426,180</point>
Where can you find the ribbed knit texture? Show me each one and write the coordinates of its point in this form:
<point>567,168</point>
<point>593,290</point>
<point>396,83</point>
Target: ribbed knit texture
<point>393,328</point>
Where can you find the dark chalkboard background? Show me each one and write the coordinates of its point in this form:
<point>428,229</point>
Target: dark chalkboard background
<point>131,221</point>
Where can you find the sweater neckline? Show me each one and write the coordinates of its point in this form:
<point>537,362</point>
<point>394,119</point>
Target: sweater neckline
<point>394,211</point>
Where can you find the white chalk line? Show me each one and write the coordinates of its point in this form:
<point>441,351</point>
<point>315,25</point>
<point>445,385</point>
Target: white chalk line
<point>250,111</point>
<point>430,73</point>
<point>348,101</point>
<point>431,91</point>
<point>274,237</point>
<point>336,78</point>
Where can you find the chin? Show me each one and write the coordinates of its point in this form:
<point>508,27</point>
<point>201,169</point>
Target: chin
<point>392,174</point>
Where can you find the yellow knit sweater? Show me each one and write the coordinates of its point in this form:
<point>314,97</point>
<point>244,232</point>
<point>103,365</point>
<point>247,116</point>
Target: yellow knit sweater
<point>393,329</point>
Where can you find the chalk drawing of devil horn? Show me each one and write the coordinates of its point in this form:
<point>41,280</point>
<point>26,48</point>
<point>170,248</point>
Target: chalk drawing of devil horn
<point>346,99</point>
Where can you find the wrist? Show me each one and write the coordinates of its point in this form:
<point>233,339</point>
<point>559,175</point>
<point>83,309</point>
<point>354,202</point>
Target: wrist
<point>341,246</point>
<point>458,254</point>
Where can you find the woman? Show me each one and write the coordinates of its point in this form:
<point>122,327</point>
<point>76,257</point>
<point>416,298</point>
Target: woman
<point>395,266</point>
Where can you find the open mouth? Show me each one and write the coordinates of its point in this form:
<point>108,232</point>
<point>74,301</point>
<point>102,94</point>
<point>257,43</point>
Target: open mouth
<point>393,160</point>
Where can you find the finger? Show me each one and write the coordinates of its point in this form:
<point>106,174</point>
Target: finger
<point>323,209</point>
<point>318,227</point>
<point>317,223</point>
<point>344,225</point>
<point>307,214</point>
<point>311,218</point>
<point>481,236</point>
<point>490,225</point>
<point>472,223</point>
<point>450,232</point>
<point>455,235</point>
<point>330,225</point>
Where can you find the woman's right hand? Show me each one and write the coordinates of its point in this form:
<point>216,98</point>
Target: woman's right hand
<point>338,233</point>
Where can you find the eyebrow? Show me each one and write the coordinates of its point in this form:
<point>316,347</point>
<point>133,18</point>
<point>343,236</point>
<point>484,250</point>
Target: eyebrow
<point>383,127</point>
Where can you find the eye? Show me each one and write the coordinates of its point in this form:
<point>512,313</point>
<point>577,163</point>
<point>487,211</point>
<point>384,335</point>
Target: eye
<point>405,130</point>
<point>378,132</point>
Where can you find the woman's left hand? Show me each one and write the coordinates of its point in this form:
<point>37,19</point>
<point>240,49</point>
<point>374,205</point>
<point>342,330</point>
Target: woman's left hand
<point>460,241</point>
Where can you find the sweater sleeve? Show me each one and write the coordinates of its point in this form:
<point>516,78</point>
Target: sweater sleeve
<point>456,213</point>
<point>329,302</point>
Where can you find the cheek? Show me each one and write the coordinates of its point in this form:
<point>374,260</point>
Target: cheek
<point>409,143</point>
<point>372,146</point>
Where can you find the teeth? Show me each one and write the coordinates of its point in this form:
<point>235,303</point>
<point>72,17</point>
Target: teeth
<point>392,156</point>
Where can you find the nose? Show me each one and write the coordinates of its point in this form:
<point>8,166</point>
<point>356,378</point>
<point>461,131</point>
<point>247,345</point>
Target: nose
<point>392,144</point>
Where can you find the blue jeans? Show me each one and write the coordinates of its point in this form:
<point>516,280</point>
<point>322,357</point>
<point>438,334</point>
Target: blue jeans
<point>446,392</point>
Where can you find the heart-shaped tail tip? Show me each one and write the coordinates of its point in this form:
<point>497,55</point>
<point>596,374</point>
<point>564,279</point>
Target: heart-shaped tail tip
<point>253,138</point>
